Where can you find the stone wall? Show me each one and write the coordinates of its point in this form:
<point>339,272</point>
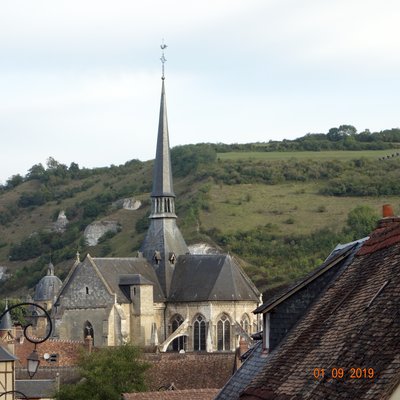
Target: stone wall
<point>86,289</point>
<point>212,312</point>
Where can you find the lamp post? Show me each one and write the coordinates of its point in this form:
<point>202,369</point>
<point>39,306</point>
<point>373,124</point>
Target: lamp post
<point>33,358</point>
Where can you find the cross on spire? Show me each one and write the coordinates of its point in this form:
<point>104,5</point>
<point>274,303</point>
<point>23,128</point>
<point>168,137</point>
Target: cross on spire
<point>163,59</point>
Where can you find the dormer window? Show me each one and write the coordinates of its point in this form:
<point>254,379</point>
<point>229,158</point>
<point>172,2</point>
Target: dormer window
<point>157,257</point>
<point>172,258</point>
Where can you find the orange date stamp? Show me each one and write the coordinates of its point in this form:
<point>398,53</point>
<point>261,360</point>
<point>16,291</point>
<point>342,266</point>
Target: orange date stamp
<point>343,373</point>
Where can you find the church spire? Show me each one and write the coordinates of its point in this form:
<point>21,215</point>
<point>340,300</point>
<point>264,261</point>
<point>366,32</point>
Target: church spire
<point>163,242</point>
<point>162,174</point>
<point>163,197</point>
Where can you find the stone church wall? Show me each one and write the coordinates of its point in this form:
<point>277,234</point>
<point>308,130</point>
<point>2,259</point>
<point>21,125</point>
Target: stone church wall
<point>212,312</point>
<point>86,289</point>
<point>72,325</point>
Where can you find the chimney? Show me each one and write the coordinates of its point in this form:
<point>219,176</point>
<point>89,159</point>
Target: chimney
<point>243,346</point>
<point>388,216</point>
<point>387,211</point>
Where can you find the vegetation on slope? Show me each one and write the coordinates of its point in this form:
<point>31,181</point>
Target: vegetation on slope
<point>282,215</point>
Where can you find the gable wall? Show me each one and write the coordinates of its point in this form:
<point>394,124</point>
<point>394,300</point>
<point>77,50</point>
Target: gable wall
<point>75,296</point>
<point>285,315</point>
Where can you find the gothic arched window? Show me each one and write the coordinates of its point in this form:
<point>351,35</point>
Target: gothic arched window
<point>245,323</point>
<point>88,330</point>
<point>199,334</point>
<point>224,333</point>
<point>180,342</point>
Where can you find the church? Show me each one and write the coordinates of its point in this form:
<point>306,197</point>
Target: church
<point>165,298</point>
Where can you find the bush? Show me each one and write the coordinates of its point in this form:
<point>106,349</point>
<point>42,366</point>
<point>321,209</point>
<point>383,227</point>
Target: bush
<point>142,224</point>
<point>361,221</point>
<point>107,373</point>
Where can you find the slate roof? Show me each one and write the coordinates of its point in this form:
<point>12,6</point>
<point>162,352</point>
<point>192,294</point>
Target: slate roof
<point>210,277</point>
<point>5,322</point>
<point>341,255</point>
<point>36,388</point>
<point>5,355</point>
<point>162,173</point>
<point>113,268</point>
<point>253,364</point>
<point>48,286</point>
<point>354,324</point>
<point>133,279</point>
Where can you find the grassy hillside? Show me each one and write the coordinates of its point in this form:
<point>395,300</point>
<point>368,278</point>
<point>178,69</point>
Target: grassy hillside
<point>293,208</point>
<point>307,155</point>
<point>280,212</point>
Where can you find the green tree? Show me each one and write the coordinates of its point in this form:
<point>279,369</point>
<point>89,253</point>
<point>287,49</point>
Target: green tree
<point>18,314</point>
<point>37,171</point>
<point>14,181</point>
<point>336,134</point>
<point>106,374</point>
<point>187,159</point>
<point>361,220</point>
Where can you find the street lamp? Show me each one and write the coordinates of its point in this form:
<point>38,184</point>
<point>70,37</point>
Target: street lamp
<point>33,358</point>
<point>33,363</point>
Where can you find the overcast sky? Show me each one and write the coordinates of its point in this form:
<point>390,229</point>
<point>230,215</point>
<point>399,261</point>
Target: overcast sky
<point>80,80</point>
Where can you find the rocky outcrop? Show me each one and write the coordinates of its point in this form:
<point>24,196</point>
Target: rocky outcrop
<point>3,275</point>
<point>128,204</point>
<point>61,224</point>
<point>97,229</point>
<point>203,248</point>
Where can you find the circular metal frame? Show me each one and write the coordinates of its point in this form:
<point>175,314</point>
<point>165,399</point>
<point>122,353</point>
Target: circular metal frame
<point>46,314</point>
<point>15,391</point>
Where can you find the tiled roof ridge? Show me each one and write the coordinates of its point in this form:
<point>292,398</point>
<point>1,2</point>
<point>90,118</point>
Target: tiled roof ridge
<point>56,340</point>
<point>385,235</point>
<point>117,258</point>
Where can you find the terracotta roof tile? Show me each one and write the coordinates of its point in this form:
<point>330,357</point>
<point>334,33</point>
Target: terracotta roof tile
<point>67,352</point>
<point>385,235</point>
<point>355,324</point>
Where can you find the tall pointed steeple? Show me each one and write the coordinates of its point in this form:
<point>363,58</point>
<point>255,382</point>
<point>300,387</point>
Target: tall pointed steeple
<point>162,173</point>
<point>164,241</point>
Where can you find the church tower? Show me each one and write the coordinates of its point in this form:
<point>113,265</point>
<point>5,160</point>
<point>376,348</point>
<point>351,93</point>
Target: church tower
<point>163,242</point>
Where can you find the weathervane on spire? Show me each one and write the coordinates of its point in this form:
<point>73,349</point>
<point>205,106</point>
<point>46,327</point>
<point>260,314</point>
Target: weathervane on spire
<point>163,59</point>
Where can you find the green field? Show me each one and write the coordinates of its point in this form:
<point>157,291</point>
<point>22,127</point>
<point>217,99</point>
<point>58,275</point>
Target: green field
<point>306,155</point>
<point>294,208</point>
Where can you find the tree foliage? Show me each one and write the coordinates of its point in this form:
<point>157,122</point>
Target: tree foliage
<point>106,374</point>
<point>187,159</point>
<point>361,221</point>
<point>17,314</point>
